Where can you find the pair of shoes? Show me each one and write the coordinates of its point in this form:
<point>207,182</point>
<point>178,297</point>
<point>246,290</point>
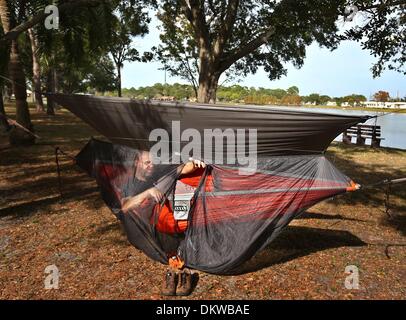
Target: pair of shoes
<point>169,284</point>
<point>184,287</point>
<point>179,285</point>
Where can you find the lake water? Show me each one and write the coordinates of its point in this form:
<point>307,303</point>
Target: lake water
<point>393,125</point>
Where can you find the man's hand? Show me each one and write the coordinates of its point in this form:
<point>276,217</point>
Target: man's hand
<point>131,203</point>
<point>198,164</point>
<point>155,194</point>
<point>192,166</point>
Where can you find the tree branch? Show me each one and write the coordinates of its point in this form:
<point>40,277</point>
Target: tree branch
<point>112,73</point>
<point>230,17</point>
<point>194,12</point>
<point>189,70</point>
<point>192,79</point>
<point>226,27</point>
<point>382,5</point>
<point>186,8</point>
<point>13,34</point>
<point>212,8</point>
<point>21,13</point>
<point>247,49</point>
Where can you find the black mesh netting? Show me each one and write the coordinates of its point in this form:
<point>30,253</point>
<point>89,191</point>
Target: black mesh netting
<point>214,218</point>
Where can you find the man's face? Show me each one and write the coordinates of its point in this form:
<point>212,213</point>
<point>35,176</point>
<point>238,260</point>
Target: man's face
<point>145,165</point>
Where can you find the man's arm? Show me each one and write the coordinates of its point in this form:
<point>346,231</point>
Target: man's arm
<point>132,202</point>
<point>154,193</point>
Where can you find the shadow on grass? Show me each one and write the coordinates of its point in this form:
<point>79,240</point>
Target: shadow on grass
<point>322,216</point>
<point>115,226</point>
<point>397,222</point>
<point>28,208</point>
<point>113,232</point>
<point>367,174</point>
<point>297,242</point>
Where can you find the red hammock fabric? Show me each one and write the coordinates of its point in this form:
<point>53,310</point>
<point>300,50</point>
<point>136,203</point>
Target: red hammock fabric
<point>230,217</point>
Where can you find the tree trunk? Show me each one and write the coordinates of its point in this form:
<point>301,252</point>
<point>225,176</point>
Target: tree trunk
<point>51,87</point>
<point>207,91</point>
<point>119,80</point>
<point>36,71</point>
<point>4,126</point>
<point>17,135</point>
<point>208,75</point>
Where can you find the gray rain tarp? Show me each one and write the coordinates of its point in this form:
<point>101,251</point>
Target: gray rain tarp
<point>230,216</point>
<point>279,132</point>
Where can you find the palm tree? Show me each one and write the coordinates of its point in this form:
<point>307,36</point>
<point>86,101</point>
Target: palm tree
<point>16,72</point>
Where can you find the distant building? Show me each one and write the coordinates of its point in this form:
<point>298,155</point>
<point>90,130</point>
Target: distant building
<point>397,105</point>
<point>165,98</point>
<point>331,104</point>
<point>389,105</point>
<point>373,104</point>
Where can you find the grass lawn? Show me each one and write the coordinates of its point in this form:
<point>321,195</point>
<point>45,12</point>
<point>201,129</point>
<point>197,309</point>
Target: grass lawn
<point>80,235</point>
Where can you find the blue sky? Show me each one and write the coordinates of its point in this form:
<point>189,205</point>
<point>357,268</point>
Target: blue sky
<point>338,73</point>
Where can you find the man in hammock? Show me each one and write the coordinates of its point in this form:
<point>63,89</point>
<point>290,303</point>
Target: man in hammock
<point>143,187</point>
<point>142,193</point>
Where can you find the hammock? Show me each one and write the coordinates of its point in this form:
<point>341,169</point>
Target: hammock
<point>229,216</point>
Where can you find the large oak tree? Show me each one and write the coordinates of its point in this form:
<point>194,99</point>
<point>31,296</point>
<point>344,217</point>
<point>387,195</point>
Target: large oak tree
<point>204,39</point>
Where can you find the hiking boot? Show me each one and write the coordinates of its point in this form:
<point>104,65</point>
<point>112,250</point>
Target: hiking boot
<point>169,284</point>
<point>184,287</point>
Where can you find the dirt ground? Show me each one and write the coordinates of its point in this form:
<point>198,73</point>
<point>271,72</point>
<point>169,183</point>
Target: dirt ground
<point>78,234</point>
